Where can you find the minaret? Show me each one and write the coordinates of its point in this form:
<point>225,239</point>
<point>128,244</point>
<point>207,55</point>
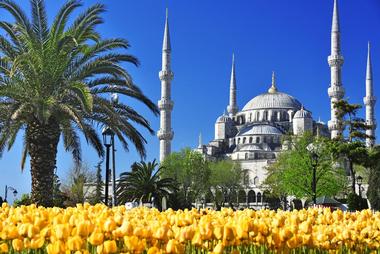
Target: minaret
<point>165,105</point>
<point>335,60</point>
<point>369,102</point>
<point>232,107</point>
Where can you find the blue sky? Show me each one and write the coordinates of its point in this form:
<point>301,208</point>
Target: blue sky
<point>290,37</point>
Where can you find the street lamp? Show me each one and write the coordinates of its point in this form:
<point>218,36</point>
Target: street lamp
<point>107,141</point>
<point>359,180</point>
<point>314,163</point>
<point>115,101</point>
<point>14,191</point>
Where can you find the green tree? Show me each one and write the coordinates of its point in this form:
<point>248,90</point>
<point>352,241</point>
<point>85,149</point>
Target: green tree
<point>98,196</point>
<point>59,198</point>
<point>292,173</point>
<point>191,173</point>
<point>351,147</point>
<point>24,200</point>
<point>53,82</point>
<point>143,184</point>
<point>373,192</point>
<point>79,186</point>
<point>225,182</point>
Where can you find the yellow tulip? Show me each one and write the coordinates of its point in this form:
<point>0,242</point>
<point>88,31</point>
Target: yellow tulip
<point>154,250</point>
<point>17,244</point>
<point>82,229</point>
<point>62,231</point>
<point>172,246</point>
<point>74,243</point>
<point>110,246</point>
<point>96,238</point>
<point>4,248</point>
<point>37,243</point>
<point>218,248</point>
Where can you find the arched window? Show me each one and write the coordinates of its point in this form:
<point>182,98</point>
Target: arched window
<point>274,116</point>
<point>259,197</point>
<point>257,116</point>
<point>246,156</point>
<point>257,140</point>
<point>265,118</point>
<point>264,139</point>
<point>251,196</point>
<point>238,141</point>
<point>242,197</point>
<point>279,116</point>
<point>256,181</point>
<point>250,117</point>
<point>244,139</point>
<point>250,140</point>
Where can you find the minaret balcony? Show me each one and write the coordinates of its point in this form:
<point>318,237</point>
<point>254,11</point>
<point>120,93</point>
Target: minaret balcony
<point>336,92</point>
<point>165,104</point>
<point>335,60</point>
<point>333,125</point>
<point>369,100</point>
<point>166,75</point>
<point>371,123</point>
<point>165,135</point>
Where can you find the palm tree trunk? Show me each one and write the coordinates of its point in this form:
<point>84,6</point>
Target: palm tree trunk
<point>42,146</point>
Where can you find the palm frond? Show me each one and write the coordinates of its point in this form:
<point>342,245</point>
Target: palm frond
<point>39,19</point>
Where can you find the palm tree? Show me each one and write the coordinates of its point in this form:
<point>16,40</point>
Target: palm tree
<point>143,183</point>
<point>53,82</point>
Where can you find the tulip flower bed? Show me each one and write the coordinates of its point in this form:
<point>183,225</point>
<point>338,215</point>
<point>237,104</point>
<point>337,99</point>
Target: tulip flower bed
<point>98,229</point>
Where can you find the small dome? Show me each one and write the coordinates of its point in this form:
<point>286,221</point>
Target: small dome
<point>223,119</point>
<point>302,113</point>
<point>261,129</point>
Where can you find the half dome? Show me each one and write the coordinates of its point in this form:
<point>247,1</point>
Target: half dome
<point>260,129</point>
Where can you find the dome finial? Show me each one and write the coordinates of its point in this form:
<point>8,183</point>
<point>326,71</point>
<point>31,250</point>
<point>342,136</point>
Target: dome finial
<point>273,88</point>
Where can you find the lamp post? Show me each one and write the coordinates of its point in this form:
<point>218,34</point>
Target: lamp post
<point>14,191</point>
<point>314,163</point>
<point>107,141</point>
<point>115,100</point>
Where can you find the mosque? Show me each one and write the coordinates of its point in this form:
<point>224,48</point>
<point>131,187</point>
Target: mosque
<point>252,135</point>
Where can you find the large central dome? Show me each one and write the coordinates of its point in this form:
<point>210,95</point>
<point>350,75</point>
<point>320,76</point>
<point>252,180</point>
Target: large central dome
<point>273,100</point>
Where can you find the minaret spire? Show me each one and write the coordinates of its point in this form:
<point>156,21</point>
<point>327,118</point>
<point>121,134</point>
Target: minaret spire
<point>200,140</point>
<point>232,107</point>
<point>165,133</point>
<point>369,102</point>
<point>335,60</point>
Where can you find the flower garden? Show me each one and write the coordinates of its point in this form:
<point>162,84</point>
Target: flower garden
<point>99,229</point>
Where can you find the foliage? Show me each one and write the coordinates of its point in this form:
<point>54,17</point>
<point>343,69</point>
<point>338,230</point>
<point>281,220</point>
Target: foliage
<point>24,200</point>
<point>54,81</point>
<point>79,186</point>
<point>352,147</point>
<point>356,203</point>
<point>191,173</point>
<point>97,196</point>
<point>292,173</point>
<point>226,178</point>
<point>59,198</point>
<point>373,192</point>
<point>35,230</point>
<point>144,183</point>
